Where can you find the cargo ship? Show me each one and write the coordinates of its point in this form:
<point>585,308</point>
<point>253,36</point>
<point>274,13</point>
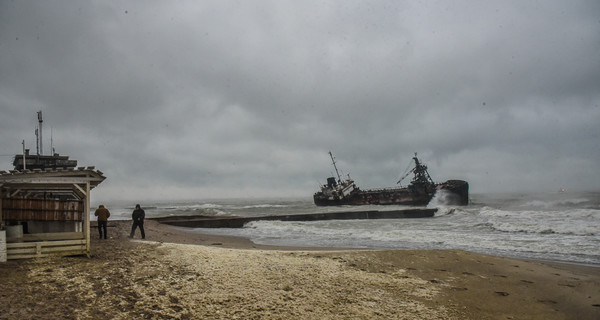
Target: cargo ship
<point>419,191</point>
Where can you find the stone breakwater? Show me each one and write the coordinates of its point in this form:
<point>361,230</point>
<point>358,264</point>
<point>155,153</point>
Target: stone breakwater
<point>239,222</point>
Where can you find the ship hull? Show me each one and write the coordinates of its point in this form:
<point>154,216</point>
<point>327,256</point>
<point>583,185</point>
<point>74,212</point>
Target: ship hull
<point>375,197</point>
<point>457,192</point>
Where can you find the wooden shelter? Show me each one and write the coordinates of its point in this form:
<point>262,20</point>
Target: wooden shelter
<point>49,209</point>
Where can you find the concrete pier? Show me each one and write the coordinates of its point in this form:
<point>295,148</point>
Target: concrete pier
<point>238,222</point>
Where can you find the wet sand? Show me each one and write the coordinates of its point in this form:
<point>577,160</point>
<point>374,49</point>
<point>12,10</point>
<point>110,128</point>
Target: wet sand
<point>178,275</point>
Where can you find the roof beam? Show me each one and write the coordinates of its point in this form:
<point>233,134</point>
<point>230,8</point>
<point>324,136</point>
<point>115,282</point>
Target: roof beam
<point>79,191</point>
<point>50,180</point>
<point>79,188</point>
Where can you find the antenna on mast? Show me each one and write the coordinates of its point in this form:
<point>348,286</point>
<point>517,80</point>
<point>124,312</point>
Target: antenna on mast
<point>40,120</point>
<point>37,141</point>
<point>24,158</point>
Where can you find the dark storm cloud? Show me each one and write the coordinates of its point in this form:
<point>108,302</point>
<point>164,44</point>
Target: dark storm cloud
<point>224,98</point>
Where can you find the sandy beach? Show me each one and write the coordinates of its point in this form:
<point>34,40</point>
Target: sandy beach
<point>178,275</point>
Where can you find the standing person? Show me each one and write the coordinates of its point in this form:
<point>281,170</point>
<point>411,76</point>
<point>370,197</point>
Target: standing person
<point>138,221</point>
<point>102,213</point>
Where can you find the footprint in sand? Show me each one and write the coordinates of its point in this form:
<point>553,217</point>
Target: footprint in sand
<point>458,289</point>
<point>527,281</point>
<point>548,301</point>
<point>570,285</point>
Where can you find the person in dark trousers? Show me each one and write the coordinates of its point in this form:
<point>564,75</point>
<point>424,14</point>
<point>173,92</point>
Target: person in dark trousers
<point>138,221</point>
<point>102,213</point>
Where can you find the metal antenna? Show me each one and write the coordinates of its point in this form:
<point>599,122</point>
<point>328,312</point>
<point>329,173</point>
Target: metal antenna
<point>37,141</point>
<point>24,159</point>
<point>41,152</point>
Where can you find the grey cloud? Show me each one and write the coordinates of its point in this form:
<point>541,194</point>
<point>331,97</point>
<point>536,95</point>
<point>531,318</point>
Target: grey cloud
<point>225,98</point>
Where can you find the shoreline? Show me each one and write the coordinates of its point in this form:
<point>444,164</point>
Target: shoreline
<point>174,274</point>
<point>236,240</point>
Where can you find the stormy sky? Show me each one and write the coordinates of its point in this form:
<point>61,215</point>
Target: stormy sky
<point>221,99</point>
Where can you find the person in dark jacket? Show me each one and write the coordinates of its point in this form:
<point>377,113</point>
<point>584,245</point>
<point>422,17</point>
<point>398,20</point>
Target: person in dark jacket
<point>138,221</point>
<point>102,213</point>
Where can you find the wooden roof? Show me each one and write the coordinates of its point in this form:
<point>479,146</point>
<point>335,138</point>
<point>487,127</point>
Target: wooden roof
<point>32,183</point>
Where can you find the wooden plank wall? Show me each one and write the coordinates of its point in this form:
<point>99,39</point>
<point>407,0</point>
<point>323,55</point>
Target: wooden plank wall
<point>25,250</point>
<point>42,209</point>
<point>3,246</point>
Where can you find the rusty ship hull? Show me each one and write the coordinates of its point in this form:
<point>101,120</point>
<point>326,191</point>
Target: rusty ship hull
<point>400,196</point>
<point>419,192</point>
<point>456,191</point>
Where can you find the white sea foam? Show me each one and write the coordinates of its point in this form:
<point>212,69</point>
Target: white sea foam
<point>575,221</point>
<point>443,198</point>
<point>264,206</point>
<point>554,203</point>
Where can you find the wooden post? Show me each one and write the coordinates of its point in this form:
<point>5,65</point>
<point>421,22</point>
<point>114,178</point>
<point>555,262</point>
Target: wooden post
<point>3,256</point>
<point>86,220</point>
<point>1,217</point>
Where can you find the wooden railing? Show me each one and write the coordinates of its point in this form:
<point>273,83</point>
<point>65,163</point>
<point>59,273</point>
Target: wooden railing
<point>44,244</point>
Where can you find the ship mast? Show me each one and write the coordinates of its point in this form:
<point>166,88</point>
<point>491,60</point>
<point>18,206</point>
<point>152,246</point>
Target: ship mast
<point>334,166</point>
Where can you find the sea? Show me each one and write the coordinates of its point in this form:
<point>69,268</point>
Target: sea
<point>559,226</point>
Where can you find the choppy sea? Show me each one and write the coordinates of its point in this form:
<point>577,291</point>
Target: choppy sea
<point>550,226</point>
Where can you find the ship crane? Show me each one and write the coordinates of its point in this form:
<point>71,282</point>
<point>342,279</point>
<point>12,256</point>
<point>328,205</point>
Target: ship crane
<point>420,171</point>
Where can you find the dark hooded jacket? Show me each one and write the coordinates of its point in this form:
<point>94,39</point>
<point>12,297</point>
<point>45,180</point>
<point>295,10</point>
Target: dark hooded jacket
<point>138,213</point>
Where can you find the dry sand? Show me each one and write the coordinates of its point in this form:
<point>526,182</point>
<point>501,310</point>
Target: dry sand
<point>178,275</point>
